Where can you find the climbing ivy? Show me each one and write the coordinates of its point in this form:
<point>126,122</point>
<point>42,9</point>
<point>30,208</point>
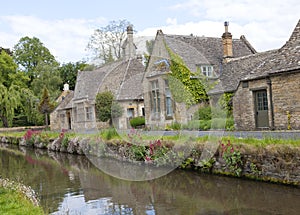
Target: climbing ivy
<point>225,102</point>
<point>183,87</point>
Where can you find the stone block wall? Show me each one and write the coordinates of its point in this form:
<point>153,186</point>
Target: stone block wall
<point>286,98</point>
<point>244,104</point>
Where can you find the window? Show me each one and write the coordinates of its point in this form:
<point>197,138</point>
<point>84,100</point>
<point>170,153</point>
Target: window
<point>155,99</point>
<point>262,101</point>
<point>169,107</point>
<point>130,113</point>
<point>207,70</point>
<point>89,113</point>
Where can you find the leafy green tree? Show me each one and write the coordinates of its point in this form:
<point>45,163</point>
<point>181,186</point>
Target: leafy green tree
<point>49,77</point>
<point>68,72</point>
<point>106,108</point>
<point>45,107</point>
<point>10,98</point>
<point>106,42</point>
<point>28,53</point>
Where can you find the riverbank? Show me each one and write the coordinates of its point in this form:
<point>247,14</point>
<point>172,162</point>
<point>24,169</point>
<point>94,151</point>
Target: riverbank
<point>16,198</point>
<point>277,163</point>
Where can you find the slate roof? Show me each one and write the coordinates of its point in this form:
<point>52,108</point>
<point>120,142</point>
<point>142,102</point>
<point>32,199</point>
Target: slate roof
<point>66,102</point>
<point>87,82</point>
<point>107,77</point>
<point>260,65</point>
<point>206,50</point>
<point>132,88</point>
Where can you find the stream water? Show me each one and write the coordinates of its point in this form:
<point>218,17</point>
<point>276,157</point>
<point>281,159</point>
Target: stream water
<point>71,184</point>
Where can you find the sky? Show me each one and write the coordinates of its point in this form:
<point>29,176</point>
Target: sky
<point>65,26</point>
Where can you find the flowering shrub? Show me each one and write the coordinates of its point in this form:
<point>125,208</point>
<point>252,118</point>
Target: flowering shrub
<point>232,157</point>
<point>30,136</point>
<point>139,150</point>
<point>64,138</point>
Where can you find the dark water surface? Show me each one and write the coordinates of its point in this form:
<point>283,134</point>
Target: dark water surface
<point>70,184</point>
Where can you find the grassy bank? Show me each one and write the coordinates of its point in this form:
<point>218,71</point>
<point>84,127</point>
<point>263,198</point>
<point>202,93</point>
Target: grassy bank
<point>17,199</point>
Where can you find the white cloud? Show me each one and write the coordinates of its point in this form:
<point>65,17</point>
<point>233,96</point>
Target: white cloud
<point>266,24</point>
<point>171,21</point>
<point>66,39</point>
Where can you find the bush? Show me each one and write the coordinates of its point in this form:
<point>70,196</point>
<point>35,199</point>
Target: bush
<point>137,121</point>
<point>174,126</point>
<point>109,134</point>
<point>198,125</point>
<point>203,113</point>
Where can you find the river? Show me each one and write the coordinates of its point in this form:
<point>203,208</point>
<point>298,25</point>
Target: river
<point>71,184</point>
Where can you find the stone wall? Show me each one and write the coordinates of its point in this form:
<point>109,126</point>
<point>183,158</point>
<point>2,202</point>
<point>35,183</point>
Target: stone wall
<point>285,101</point>
<point>286,98</point>
<point>244,104</point>
<point>275,163</point>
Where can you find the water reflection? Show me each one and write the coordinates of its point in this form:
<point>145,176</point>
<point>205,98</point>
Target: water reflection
<point>68,184</point>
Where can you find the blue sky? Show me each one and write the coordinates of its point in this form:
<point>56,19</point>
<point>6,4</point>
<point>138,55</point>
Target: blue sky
<point>64,26</point>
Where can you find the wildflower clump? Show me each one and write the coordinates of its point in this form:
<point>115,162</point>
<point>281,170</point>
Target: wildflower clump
<point>232,157</point>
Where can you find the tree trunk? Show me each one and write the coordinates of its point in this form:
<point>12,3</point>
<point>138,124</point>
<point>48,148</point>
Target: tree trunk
<point>4,121</point>
<point>46,119</point>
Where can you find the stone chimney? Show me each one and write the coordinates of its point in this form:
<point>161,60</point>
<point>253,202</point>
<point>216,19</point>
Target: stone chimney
<point>227,42</point>
<point>129,47</point>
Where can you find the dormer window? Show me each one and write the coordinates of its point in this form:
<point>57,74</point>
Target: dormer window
<point>207,70</point>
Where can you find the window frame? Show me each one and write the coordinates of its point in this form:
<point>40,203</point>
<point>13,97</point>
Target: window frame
<point>89,113</point>
<point>168,101</point>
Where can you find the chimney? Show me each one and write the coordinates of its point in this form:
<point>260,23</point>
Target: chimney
<point>129,49</point>
<point>227,42</point>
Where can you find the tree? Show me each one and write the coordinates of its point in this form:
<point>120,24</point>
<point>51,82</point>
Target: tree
<point>106,108</point>
<point>106,42</point>
<point>45,107</point>
<point>28,53</point>
<point>49,77</point>
<point>10,98</point>
<point>68,72</point>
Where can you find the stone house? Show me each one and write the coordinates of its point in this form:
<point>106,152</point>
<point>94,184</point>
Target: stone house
<point>205,54</point>
<point>266,87</point>
<point>60,118</point>
<point>120,77</point>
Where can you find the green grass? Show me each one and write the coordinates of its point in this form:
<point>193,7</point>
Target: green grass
<point>14,202</point>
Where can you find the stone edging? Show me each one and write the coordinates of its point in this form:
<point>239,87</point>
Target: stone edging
<point>26,190</point>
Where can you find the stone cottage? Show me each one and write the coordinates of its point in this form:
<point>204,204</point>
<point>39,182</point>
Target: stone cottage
<point>205,54</point>
<point>266,87</point>
<point>122,78</point>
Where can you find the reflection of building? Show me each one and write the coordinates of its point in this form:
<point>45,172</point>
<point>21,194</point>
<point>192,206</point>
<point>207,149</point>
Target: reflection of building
<point>122,78</point>
<point>266,87</point>
<point>205,54</point>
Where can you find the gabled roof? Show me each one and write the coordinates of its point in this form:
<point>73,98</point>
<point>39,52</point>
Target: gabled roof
<point>66,101</point>
<point>88,82</point>
<point>132,88</point>
<point>261,65</point>
<point>205,50</point>
<point>108,77</point>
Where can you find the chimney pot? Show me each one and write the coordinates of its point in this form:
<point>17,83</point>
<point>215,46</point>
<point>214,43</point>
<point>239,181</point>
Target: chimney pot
<point>227,42</point>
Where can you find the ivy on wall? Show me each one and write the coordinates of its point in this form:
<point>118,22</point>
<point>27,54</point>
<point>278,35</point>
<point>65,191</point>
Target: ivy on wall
<point>225,102</point>
<point>184,88</point>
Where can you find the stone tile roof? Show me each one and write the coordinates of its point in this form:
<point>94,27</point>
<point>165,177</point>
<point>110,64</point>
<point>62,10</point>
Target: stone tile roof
<point>88,82</point>
<point>66,101</point>
<point>261,65</point>
<point>108,77</point>
<point>206,50</point>
<point>132,88</point>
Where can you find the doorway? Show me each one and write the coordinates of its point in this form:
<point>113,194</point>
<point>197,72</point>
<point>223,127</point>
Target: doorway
<point>261,109</point>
